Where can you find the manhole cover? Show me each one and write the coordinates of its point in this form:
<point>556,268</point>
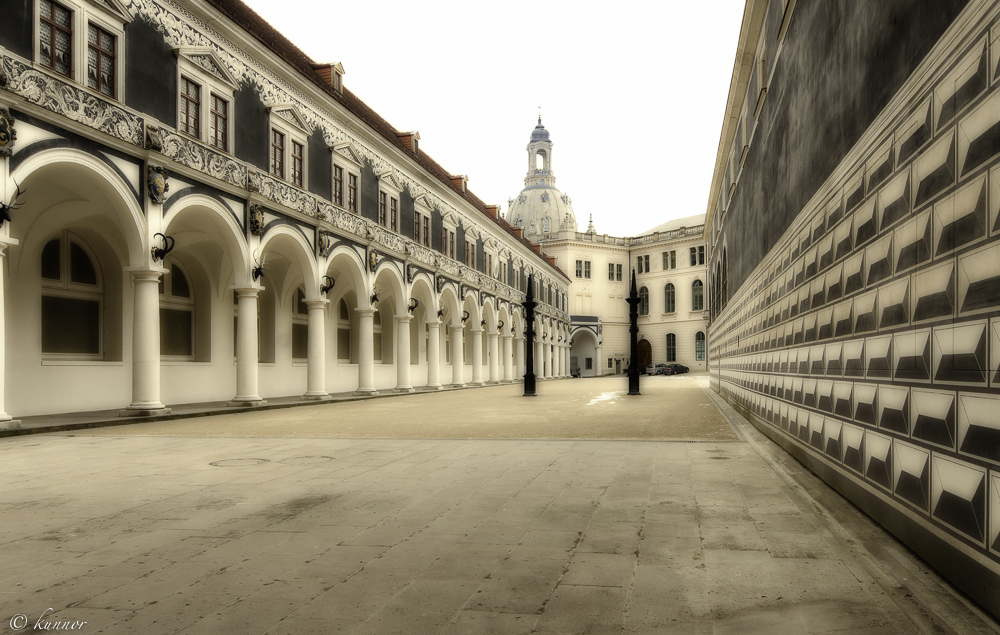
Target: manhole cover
<point>237,462</point>
<point>306,460</point>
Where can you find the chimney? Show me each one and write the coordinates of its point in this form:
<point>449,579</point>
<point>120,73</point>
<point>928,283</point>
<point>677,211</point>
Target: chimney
<point>459,181</point>
<point>410,140</point>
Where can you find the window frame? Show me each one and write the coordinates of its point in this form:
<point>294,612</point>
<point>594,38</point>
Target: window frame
<point>65,288</point>
<point>669,298</point>
<point>698,284</point>
<point>210,85</point>
<point>294,132</point>
<point>671,347</point>
<point>167,300</point>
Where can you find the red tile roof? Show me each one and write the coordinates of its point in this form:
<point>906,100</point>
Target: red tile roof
<point>244,17</point>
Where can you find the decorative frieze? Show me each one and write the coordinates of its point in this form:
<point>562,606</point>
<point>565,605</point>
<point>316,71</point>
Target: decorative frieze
<point>72,102</point>
<point>196,156</point>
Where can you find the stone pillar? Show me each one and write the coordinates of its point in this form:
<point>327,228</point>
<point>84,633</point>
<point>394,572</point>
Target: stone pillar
<point>548,360</point>
<point>6,421</point>
<point>246,348</point>
<point>477,357</point>
<point>403,354</point>
<point>457,357</point>
<point>366,352</point>
<point>508,359</point>
<point>494,358</point>
<point>145,343</point>
<point>519,356</point>
<point>540,358</point>
<point>599,361</point>
<point>316,371</point>
<point>434,355</point>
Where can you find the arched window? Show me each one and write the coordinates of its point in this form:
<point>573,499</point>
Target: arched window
<point>671,347</point>
<point>697,296</point>
<point>725,278</point>
<point>176,313</point>
<point>644,301</point>
<point>344,332</point>
<point>300,326</point>
<point>545,224</point>
<point>72,299</point>
<point>699,346</point>
<point>669,303</point>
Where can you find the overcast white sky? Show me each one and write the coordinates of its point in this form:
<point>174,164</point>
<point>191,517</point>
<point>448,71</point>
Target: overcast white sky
<point>632,92</point>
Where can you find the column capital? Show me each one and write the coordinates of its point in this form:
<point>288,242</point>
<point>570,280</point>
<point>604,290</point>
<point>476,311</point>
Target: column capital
<point>457,328</point>
<point>403,319</point>
<point>475,331</point>
<point>316,304</point>
<point>246,291</point>
<point>433,323</point>
<point>145,274</point>
<point>365,312</point>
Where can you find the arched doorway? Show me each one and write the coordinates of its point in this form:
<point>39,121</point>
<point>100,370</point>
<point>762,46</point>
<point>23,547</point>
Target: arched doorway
<point>645,353</point>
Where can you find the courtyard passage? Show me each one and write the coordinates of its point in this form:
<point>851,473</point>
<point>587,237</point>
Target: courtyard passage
<point>578,511</point>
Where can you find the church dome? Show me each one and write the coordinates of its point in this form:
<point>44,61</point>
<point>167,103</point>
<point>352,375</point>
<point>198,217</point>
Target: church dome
<point>539,133</point>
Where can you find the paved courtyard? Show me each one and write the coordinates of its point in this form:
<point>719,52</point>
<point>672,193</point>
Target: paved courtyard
<point>477,511</point>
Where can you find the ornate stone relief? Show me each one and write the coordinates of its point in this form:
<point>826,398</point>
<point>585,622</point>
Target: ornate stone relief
<point>73,103</point>
<point>8,135</point>
<point>156,183</point>
<point>255,216</point>
<point>196,156</point>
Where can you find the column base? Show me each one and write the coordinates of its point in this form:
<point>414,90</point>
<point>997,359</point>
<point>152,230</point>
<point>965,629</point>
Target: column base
<point>365,393</point>
<point>144,411</point>
<point>10,424</point>
<point>456,385</point>
<point>403,389</point>
<point>475,383</point>
<point>246,403</point>
<point>496,382</point>
<point>319,396</point>
<point>437,387</point>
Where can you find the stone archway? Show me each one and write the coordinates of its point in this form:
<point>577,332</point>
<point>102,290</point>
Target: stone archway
<point>645,352</point>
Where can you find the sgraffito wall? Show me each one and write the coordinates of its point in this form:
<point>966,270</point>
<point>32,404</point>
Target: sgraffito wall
<point>861,325</point>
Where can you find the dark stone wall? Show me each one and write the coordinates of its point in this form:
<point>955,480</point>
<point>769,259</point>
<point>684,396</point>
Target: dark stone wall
<point>480,256</point>
<point>460,243</point>
<point>841,63</point>
<point>406,216</point>
<point>150,73</point>
<point>16,27</point>
<point>320,166</point>
<point>437,226</point>
<point>368,193</point>
<point>250,141</point>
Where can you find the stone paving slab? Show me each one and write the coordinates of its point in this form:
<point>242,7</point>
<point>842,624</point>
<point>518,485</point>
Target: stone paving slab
<point>199,527</point>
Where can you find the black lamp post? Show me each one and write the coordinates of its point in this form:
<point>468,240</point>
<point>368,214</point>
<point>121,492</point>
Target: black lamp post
<point>633,318</point>
<point>529,358</point>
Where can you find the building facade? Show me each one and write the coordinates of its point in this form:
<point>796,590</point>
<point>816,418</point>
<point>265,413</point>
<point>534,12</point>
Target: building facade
<point>195,211</point>
<point>854,235</point>
<point>670,266</point>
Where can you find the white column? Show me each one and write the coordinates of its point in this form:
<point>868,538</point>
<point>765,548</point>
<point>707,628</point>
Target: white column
<point>145,343</point>
<point>519,354</point>
<point>559,360</point>
<point>494,358</point>
<point>539,358</point>
<point>477,357</point>
<point>6,421</point>
<point>434,355</point>
<point>601,367</point>
<point>457,356</point>
<point>246,348</point>
<point>403,354</point>
<point>508,359</point>
<point>316,371</point>
<point>366,352</point>
<point>547,348</point>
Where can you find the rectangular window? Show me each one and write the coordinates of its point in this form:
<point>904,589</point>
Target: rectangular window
<point>382,198</point>
<point>639,264</point>
<point>589,363</point>
<point>586,269</point>
<point>393,214</point>
<point>219,123</point>
<point>416,226</point>
<point>427,231</point>
<point>619,272</point>
<point>694,256</point>
<point>645,263</point>
<point>277,154</point>
<point>338,185</point>
<point>444,241</point>
<point>579,268</point>
<point>352,193</point>
<point>300,341</point>
<point>489,264</point>
<point>298,152</point>
<point>100,60</point>
<point>701,255</point>
<point>611,272</point>
<point>671,347</point>
<point>699,350</point>
<point>190,107</point>
<point>56,37</point>
<point>670,259</point>
<point>451,241</point>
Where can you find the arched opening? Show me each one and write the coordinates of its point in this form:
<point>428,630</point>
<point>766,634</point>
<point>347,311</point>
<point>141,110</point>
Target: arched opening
<point>697,296</point>
<point>643,301</point>
<point>583,360</point>
<point>645,352</point>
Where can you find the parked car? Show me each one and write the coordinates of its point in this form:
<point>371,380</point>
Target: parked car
<point>675,369</point>
<point>656,369</point>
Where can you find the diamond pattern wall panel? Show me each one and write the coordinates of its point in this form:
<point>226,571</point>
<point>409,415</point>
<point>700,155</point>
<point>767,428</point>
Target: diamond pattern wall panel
<point>958,496</point>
